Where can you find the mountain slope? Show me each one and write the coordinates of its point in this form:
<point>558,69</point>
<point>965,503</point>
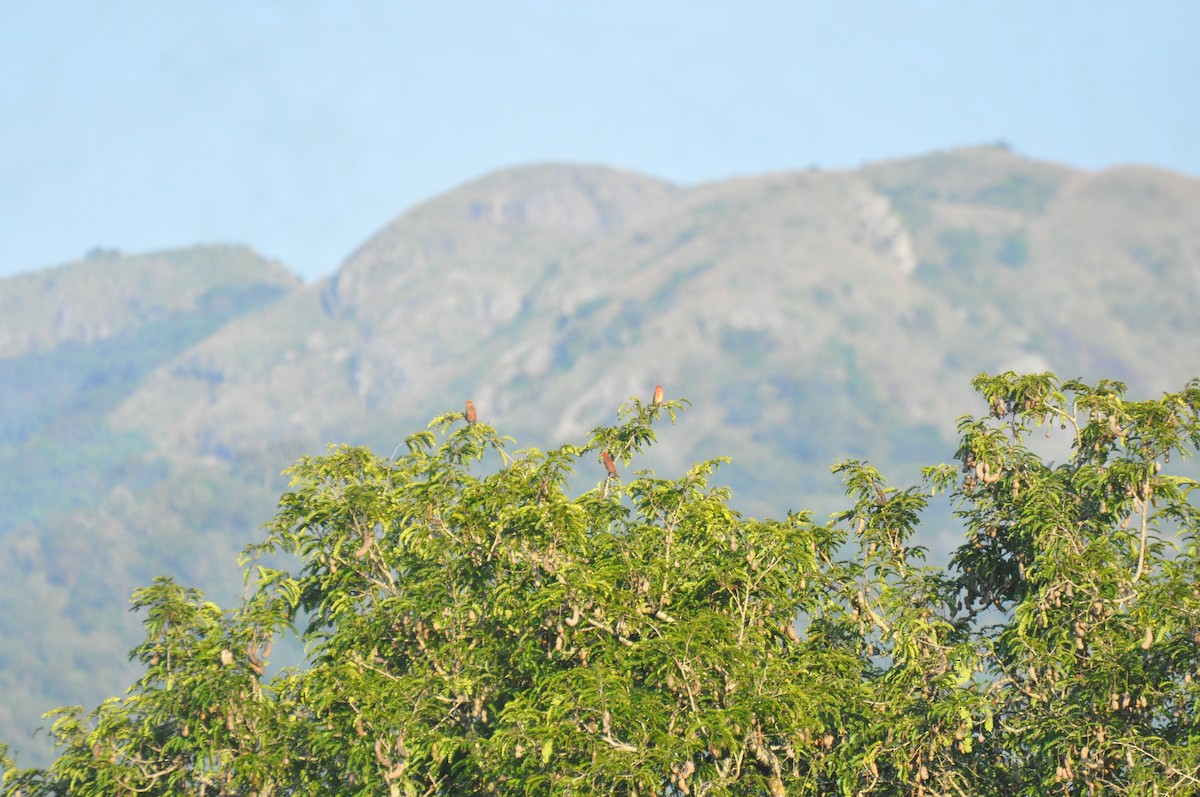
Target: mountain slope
<point>85,508</point>
<point>810,316</point>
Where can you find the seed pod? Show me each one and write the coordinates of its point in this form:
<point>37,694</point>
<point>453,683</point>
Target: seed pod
<point>1148,640</point>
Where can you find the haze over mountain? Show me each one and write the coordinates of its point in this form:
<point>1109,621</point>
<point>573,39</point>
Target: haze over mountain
<point>151,401</point>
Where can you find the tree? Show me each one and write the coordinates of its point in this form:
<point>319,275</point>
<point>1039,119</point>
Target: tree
<point>473,628</point>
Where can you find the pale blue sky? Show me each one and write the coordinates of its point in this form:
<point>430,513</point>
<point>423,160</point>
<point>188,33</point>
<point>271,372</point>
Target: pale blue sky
<point>300,128</point>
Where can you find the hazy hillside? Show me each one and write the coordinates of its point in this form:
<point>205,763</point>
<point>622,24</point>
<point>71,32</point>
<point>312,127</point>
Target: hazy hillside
<point>152,402</point>
<point>87,508</point>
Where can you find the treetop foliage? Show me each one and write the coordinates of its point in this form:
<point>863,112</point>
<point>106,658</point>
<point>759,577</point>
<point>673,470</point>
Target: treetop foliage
<point>471,627</point>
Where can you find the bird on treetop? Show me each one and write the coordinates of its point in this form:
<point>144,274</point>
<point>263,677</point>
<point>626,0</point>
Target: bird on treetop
<point>658,395</point>
<point>609,464</point>
<point>469,413</point>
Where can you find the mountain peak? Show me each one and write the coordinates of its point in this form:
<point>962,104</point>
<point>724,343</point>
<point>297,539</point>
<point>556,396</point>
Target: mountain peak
<point>519,211</point>
<point>108,293</point>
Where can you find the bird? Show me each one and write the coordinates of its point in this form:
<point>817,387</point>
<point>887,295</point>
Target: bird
<point>658,395</point>
<point>469,413</point>
<point>609,464</point>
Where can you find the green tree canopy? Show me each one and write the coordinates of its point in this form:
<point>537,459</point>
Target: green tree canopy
<point>472,627</point>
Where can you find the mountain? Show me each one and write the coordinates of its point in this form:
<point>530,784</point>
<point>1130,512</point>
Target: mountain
<point>150,403</point>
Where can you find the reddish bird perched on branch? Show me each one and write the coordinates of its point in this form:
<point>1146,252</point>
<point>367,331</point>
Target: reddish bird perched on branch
<point>609,464</point>
<point>658,395</point>
<point>469,413</point>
